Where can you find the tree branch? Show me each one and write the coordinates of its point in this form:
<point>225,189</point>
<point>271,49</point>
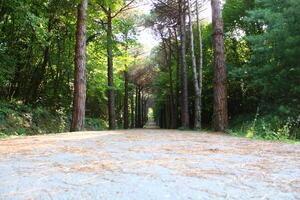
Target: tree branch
<point>126,7</point>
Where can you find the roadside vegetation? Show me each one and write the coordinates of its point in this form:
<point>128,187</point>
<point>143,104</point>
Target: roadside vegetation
<point>17,119</point>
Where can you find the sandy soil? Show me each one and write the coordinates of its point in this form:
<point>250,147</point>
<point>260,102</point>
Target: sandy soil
<point>147,164</point>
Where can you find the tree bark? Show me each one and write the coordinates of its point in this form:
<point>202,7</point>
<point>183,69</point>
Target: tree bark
<point>220,112</point>
<point>197,122</point>
<point>78,115</point>
<point>184,109</point>
<point>125,115</point>
<point>139,108</point>
<point>136,106</point>
<point>172,97</point>
<point>178,82</point>
<point>200,60</point>
<point>132,110</point>
<point>142,111</point>
<point>110,74</point>
<point>168,62</point>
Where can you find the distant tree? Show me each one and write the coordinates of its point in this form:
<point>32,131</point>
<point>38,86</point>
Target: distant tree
<point>163,20</point>
<point>110,11</point>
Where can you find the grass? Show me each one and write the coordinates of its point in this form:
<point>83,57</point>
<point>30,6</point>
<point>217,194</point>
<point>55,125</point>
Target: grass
<point>267,127</point>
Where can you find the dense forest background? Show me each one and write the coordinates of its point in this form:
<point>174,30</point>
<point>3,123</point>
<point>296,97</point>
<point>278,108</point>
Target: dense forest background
<point>262,49</point>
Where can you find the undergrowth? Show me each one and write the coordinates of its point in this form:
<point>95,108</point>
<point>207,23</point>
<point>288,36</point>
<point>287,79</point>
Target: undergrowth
<point>268,127</point>
<point>17,119</point>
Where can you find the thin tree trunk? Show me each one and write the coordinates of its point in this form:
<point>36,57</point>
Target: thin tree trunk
<point>145,110</point>
<point>177,100</point>
<point>184,109</point>
<point>167,114</point>
<point>200,61</point>
<point>80,70</point>
<point>126,117</point>
<point>110,74</point>
<point>142,110</point>
<point>136,106</point>
<point>172,97</point>
<point>220,113</point>
<point>168,57</point>
<point>132,110</point>
<point>197,122</point>
<point>139,108</point>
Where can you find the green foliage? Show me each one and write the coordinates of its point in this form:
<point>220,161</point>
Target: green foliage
<point>95,124</point>
<point>275,52</point>
<point>37,42</point>
<point>262,40</point>
<point>269,127</point>
<point>263,66</point>
<point>19,119</point>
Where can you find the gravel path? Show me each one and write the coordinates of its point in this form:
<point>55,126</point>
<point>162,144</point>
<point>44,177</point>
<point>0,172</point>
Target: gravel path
<point>147,164</point>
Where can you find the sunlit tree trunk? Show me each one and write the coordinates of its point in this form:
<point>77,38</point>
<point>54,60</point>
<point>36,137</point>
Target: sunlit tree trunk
<point>80,69</point>
<point>184,109</point>
<point>220,112</point>
<point>200,60</point>
<point>197,121</point>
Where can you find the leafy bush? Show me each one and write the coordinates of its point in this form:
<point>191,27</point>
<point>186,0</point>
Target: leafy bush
<point>94,124</point>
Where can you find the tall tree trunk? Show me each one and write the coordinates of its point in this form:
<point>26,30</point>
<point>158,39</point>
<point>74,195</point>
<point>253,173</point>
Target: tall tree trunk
<point>184,109</point>
<point>168,57</point>
<point>125,116</point>
<point>172,97</point>
<point>197,122</point>
<point>110,74</point>
<point>80,70</point>
<point>220,113</point>
<point>200,60</point>
<point>177,99</point>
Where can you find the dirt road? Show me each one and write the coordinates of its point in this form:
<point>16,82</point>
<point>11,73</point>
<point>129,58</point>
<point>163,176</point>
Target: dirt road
<point>147,164</point>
